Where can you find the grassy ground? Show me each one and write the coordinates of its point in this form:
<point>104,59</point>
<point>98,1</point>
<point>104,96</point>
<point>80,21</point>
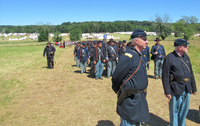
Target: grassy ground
<point>30,94</point>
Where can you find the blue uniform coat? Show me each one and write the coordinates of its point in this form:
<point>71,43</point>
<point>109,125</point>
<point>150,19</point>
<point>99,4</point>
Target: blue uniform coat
<point>76,48</point>
<point>146,55</point>
<point>173,65</point>
<point>101,54</point>
<point>161,51</point>
<point>48,51</point>
<point>122,50</point>
<point>134,107</point>
<point>83,54</point>
<point>112,52</point>
<point>91,52</point>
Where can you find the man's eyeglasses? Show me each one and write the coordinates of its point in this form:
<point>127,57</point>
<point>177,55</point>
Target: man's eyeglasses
<point>185,46</point>
<point>144,39</point>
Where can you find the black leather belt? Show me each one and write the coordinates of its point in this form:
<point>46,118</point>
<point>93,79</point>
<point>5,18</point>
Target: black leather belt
<point>181,79</point>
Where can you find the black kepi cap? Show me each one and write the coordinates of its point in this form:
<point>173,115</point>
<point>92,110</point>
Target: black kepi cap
<point>99,42</point>
<point>111,40</point>
<point>181,42</point>
<point>138,33</point>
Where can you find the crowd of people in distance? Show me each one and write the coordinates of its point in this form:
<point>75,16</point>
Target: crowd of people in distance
<point>62,45</point>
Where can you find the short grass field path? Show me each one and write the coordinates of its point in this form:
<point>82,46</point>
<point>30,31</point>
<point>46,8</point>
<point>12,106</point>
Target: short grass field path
<point>64,97</point>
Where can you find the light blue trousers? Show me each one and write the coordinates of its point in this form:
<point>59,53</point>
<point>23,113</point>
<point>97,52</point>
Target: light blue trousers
<point>158,67</point>
<point>178,108</point>
<point>125,122</point>
<point>83,66</point>
<point>99,69</point>
<point>77,62</point>
<point>111,68</point>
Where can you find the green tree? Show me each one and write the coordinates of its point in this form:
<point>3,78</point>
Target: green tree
<point>128,26</point>
<point>103,27</point>
<point>162,27</point>
<point>57,37</point>
<point>44,34</point>
<point>189,26</point>
<point>7,31</point>
<point>186,25</point>
<point>178,28</point>
<point>75,34</point>
<point>111,27</point>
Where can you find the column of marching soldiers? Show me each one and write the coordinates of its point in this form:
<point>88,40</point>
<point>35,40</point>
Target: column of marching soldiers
<point>178,79</point>
<point>100,54</point>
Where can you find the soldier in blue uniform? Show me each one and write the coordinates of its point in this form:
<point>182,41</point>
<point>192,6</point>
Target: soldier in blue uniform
<point>129,45</point>
<point>83,57</point>
<point>99,58</point>
<point>124,47</point>
<point>119,49</point>
<point>112,57</point>
<point>50,51</point>
<point>130,81</point>
<point>178,82</point>
<point>92,56</point>
<point>146,55</point>
<point>159,53</point>
<point>76,48</point>
<point>104,45</point>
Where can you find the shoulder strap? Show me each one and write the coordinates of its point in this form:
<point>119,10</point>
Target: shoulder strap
<point>185,64</point>
<point>145,50</point>
<point>157,48</point>
<point>131,75</point>
<point>113,50</point>
<point>100,52</point>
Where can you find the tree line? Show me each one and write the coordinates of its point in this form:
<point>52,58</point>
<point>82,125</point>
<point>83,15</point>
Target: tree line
<point>161,25</point>
<point>86,27</point>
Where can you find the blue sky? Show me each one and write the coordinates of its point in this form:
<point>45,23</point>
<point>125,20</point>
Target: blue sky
<point>55,12</point>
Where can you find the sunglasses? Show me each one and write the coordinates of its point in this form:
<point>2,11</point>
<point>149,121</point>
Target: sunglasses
<point>144,39</point>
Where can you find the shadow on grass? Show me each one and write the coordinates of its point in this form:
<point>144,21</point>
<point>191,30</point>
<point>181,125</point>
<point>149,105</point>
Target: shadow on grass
<point>155,121</point>
<point>105,123</point>
<point>46,67</point>
<point>77,71</point>
<point>150,76</point>
<point>193,115</point>
<point>90,75</point>
<point>73,65</point>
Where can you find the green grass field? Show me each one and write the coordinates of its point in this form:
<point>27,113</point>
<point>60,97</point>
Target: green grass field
<point>30,94</point>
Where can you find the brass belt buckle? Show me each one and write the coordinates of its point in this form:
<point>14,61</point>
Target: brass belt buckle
<point>186,79</point>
